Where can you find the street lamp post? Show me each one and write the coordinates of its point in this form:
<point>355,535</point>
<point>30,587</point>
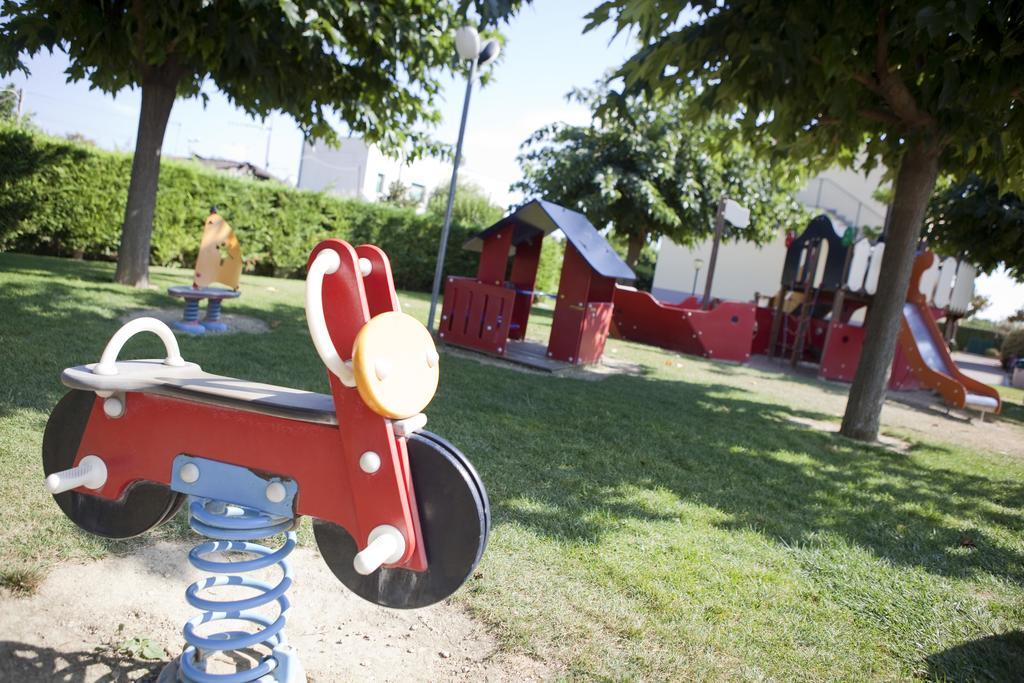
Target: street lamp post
<point>698,263</point>
<point>467,44</point>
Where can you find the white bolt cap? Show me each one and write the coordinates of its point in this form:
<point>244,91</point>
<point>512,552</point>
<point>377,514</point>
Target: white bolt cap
<point>385,545</point>
<point>276,492</point>
<point>369,462</point>
<point>189,473</point>
<point>382,368</point>
<point>365,267</point>
<point>90,473</point>
<point>113,407</point>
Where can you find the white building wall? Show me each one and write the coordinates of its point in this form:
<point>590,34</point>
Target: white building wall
<point>339,170</point>
<point>744,269</point>
<point>355,169</point>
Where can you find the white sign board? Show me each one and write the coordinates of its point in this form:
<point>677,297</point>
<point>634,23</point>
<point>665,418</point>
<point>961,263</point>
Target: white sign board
<point>736,214</point>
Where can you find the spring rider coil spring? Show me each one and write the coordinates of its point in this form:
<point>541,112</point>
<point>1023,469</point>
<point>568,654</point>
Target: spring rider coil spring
<point>233,528</point>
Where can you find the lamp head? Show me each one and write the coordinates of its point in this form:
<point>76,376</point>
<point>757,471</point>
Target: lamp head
<point>489,53</point>
<point>467,43</point>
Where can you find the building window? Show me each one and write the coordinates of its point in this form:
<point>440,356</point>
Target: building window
<point>380,183</point>
<point>417,192</point>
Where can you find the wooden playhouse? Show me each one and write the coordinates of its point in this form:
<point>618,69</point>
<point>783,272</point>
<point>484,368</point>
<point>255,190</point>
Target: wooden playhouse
<point>489,312</point>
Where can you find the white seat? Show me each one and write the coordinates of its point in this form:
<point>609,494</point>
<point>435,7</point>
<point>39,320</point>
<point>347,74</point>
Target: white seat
<point>189,382</point>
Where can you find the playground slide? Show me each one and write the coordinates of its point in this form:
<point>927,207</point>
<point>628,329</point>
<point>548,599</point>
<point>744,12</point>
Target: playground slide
<point>929,359</point>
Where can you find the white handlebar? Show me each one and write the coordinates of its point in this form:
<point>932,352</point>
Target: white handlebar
<point>326,263</point>
<point>108,361</point>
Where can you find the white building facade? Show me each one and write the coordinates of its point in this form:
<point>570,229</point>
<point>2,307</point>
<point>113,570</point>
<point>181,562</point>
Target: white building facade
<point>744,269</point>
<point>359,170</point>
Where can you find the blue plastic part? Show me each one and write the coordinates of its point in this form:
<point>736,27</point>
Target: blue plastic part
<point>189,322</point>
<point>233,484</point>
<point>212,321</point>
<point>233,528</point>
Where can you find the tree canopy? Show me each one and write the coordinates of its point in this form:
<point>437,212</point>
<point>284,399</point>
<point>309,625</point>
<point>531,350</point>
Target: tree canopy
<point>8,103</point>
<point>834,82</point>
<point>974,220</point>
<point>924,88</point>
<point>636,169</point>
<point>371,65</point>
<point>472,207</point>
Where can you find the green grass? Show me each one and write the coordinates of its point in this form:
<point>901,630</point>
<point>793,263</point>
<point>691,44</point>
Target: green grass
<point>670,525</point>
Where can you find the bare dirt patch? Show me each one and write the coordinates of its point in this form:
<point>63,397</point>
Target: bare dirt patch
<point>884,440</point>
<point>76,626</point>
<point>917,415</point>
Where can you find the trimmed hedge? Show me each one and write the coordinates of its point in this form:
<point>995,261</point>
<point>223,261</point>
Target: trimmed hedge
<point>1012,349</point>
<point>62,198</point>
<point>976,339</point>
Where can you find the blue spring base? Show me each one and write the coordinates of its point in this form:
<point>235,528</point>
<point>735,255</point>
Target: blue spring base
<point>212,321</point>
<point>233,528</point>
<point>289,669</point>
<point>189,322</point>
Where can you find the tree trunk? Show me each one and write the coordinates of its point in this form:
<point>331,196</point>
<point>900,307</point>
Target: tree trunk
<point>159,85</point>
<point>914,184</point>
<point>634,247</point>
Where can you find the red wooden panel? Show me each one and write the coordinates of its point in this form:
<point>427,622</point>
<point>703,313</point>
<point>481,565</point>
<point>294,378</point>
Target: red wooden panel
<point>596,324</point>
<point>763,335</point>
<point>840,357</point>
<point>494,257</point>
<point>567,324</point>
<point>725,332</point>
<point>471,308</point>
<point>524,277</point>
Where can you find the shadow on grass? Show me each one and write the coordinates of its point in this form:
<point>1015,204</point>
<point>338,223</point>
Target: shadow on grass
<point>63,314</point>
<point>977,660</point>
<point>559,458</point>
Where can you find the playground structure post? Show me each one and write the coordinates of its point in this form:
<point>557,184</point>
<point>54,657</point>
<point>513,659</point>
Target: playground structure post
<point>719,228</point>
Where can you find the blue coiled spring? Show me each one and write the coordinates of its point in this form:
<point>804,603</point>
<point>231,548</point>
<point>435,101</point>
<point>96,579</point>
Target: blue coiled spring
<point>233,527</point>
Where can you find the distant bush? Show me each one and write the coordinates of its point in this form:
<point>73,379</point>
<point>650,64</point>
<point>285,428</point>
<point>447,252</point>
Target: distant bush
<point>1013,347</point>
<point>67,199</point>
<point>976,336</point>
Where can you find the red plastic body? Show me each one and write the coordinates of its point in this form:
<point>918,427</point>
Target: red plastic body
<point>322,459</point>
<point>583,312</point>
<point>724,332</point>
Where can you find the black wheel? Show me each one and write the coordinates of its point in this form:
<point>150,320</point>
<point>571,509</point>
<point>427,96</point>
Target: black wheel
<point>454,523</point>
<point>143,506</point>
<point>446,445</point>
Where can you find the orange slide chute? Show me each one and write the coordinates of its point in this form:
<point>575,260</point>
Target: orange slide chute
<point>925,351</point>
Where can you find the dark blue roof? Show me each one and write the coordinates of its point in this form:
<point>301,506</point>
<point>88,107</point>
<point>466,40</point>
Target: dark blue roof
<point>544,217</point>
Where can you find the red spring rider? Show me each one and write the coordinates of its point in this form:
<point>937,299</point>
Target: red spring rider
<point>399,514</point>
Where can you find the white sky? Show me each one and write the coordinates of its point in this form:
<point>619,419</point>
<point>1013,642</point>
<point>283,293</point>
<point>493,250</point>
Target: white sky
<point>547,55</point>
